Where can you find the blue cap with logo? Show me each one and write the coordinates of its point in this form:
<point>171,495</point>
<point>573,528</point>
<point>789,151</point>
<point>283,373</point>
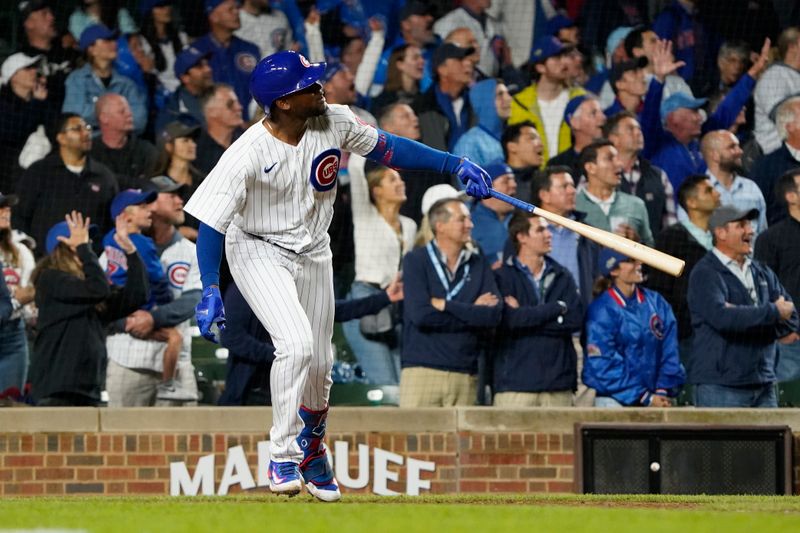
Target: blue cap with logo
<point>545,48</point>
<point>572,107</point>
<point>62,230</point>
<point>679,100</point>
<point>498,168</point>
<point>94,33</point>
<point>130,197</point>
<point>187,59</point>
<point>609,259</point>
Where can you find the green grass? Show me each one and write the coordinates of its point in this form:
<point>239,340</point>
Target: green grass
<point>481,514</point>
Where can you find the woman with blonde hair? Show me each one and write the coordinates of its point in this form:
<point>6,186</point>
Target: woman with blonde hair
<point>382,237</point>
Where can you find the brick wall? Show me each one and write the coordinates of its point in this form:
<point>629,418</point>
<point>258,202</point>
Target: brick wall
<point>125,452</point>
<point>92,463</point>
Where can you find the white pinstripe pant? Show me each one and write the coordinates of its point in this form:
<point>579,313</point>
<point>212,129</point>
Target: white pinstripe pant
<point>292,296</point>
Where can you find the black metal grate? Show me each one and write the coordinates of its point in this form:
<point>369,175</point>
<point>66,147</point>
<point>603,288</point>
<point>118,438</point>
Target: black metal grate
<point>621,466</point>
<point>718,467</point>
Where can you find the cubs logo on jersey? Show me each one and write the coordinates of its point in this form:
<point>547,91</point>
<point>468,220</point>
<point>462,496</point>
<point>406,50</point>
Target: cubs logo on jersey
<point>246,62</point>
<point>657,326</point>
<point>324,169</point>
<point>176,274</point>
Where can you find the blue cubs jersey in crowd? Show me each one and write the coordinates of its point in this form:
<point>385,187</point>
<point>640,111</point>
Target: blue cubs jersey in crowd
<point>632,347</point>
<point>231,65</point>
<point>116,266</point>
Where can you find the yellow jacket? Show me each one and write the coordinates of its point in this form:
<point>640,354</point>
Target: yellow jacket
<point>525,107</point>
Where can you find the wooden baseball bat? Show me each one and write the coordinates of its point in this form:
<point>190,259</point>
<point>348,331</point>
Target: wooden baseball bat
<point>649,256</point>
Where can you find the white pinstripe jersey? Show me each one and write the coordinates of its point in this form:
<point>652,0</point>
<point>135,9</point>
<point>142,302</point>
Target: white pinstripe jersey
<point>280,192</point>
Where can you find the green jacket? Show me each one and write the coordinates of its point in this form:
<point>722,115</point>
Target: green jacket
<point>625,206</point>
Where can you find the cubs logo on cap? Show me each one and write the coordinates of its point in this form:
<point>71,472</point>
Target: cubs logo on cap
<point>303,60</point>
<point>324,170</point>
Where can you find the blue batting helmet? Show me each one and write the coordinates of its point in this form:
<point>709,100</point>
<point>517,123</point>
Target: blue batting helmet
<point>281,74</point>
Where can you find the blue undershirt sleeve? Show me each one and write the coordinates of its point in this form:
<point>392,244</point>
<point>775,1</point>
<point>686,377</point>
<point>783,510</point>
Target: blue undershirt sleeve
<point>209,254</point>
<point>399,152</point>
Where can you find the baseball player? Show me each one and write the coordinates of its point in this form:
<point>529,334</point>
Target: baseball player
<point>270,199</point>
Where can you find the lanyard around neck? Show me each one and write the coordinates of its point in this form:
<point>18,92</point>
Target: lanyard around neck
<point>437,266</point>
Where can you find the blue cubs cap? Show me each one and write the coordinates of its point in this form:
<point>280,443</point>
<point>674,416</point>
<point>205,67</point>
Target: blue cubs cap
<point>62,230</point>
<point>333,68</point>
<point>187,59</point>
<point>609,259</point>
<point>558,23</point>
<point>679,100</point>
<point>95,33</point>
<point>547,47</point>
<point>498,168</point>
<point>572,107</point>
<point>282,74</point>
<point>130,197</point>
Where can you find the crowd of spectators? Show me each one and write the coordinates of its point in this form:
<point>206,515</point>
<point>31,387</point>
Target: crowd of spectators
<point>674,123</point>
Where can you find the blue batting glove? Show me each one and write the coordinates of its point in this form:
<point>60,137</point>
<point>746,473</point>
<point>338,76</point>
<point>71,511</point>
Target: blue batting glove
<point>210,314</point>
<point>477,181</point>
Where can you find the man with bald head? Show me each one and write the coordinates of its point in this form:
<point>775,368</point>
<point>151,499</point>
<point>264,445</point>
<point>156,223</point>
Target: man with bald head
<point>129,157</point>
<point>723,156</point>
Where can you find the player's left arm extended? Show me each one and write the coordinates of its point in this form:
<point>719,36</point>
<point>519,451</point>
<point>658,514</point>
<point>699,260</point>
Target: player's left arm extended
<point>399,152</point>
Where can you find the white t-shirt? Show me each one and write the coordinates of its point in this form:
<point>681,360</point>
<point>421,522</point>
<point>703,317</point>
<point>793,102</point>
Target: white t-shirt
<point>553,116</point>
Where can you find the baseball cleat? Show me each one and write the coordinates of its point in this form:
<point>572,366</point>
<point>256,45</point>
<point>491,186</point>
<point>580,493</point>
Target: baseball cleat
<point>284,478</point>
<point>318,475</point>
<point>315,468</point>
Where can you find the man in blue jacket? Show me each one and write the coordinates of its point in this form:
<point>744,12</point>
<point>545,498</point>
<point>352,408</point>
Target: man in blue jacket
<point>739,311</point>
<point>534,357</point>
<point>232,59</point>
<point>451,303</point>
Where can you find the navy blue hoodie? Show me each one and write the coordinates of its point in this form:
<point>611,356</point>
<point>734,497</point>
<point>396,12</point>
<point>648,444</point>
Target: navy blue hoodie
<point>534,350</point>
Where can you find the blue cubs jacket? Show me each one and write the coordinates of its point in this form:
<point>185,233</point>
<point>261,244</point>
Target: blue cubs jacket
<point>632,347</point>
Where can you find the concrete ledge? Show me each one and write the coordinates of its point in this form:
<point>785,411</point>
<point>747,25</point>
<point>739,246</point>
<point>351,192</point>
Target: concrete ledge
<point>369,419</point>
<point>393,420</point>
<point>189,420</point>
<point>550,420</point>
<point>49,420</point>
